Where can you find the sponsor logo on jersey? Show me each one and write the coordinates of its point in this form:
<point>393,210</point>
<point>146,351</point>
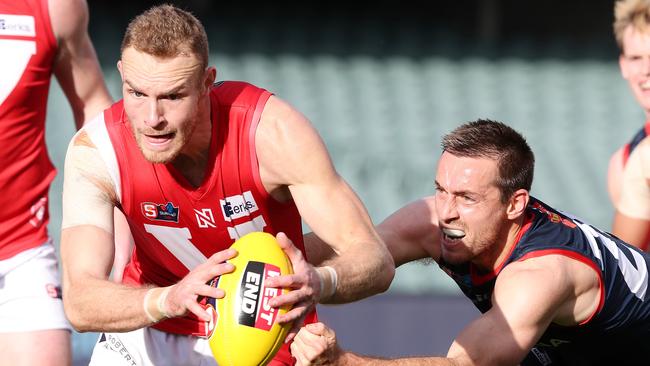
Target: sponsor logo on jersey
<point>541,356</point>
<point>553,342</point>
<point>553,216</point>
<point>241,205</point>
<point>112,343</point>
<point>53,291</point>
<point>17,25</point>
<point>205,218</point>
<point>38,212</point>
<point>254,296</point>
<point>160,212</point>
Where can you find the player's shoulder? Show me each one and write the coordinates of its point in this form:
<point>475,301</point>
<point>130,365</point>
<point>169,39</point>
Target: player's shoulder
<point>534,285</point>
<point>537,281</point>
<point>619,156</point>
<point>543,268</point>
<point>553,272</point>
<point>89,132</point>
<point>283,121</point>
<point>641,154</point>
<point>236,93</point>
<point>644,145</point>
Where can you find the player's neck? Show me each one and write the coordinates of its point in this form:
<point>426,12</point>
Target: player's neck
<point>502,248</point>
<point>192,168</point>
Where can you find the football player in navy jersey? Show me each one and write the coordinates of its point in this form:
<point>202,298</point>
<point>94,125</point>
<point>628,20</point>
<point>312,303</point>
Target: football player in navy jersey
<point>632,33</point>
<point>552,289</point>
<point>626,175</point>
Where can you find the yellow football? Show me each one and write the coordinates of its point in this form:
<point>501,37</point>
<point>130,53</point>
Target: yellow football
<point>246,332</point>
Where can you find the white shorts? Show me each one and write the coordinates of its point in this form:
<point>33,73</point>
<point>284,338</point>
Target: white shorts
<point>30,292</point>
<point>148,347</point>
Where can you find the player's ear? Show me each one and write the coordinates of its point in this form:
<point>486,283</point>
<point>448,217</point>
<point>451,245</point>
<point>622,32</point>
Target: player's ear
<point>517,203</point>
<point>209,77</point>
<point>119,68</point>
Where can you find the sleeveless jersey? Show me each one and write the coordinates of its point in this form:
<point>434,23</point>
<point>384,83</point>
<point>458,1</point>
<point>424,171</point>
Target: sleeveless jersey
<point>29,45</point>
<point>636,140</point>
<point>177,226</point>
<point>623,315</point>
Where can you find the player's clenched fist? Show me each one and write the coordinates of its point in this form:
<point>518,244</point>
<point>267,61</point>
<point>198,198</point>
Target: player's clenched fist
<point>315,344</point>
<point>304,283</point>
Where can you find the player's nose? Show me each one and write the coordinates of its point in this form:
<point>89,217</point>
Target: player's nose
<point>154,116</point>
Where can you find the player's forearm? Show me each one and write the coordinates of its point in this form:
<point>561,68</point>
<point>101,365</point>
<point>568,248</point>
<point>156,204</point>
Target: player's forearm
<point>362,270</point>
<point>104,306</point>
<point>350,359</point>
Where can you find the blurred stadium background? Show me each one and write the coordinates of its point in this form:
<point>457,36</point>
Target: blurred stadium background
<point>383,81</point>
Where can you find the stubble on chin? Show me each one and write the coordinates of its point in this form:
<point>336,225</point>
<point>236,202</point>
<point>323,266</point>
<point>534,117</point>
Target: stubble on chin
<point>157,157</point>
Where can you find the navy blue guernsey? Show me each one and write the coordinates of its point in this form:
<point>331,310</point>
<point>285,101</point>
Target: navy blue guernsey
<point>619,331</point>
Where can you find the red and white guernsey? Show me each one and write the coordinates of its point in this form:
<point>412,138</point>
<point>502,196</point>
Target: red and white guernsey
<point>176,226</point>
<point>29,46</point>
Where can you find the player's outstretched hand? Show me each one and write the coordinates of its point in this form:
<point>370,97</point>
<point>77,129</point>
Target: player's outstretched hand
<point>183,297</point>
<point>304,283</point>
<point>315,344</point>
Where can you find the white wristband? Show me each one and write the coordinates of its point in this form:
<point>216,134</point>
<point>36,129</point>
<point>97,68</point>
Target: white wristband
<point>161,302</point>
<point>154,304</point>
<point>145,305</point>
<point>328,282</point>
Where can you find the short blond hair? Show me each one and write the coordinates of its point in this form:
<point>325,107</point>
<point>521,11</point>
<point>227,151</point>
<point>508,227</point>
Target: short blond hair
<point>167,31</point>
<point>635,13</point>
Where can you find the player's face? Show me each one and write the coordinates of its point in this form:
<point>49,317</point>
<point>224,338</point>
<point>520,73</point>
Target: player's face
<point>635,65</point>
<point>164,99</point>
<point>471,216</point>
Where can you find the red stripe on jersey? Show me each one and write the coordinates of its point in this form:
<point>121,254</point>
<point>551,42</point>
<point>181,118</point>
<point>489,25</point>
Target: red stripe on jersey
<point>626,153</point>
<point>479,279</point>
<point>253,130</point>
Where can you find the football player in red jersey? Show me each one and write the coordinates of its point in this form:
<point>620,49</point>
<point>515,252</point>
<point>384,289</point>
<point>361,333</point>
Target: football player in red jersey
<point>195,165</point>
<point>39,38</point>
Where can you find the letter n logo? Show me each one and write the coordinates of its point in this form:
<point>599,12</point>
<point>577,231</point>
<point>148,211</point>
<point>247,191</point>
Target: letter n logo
<point>204,218</point>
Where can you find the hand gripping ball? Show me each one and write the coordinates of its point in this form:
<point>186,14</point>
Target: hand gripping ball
<point>245,331</point>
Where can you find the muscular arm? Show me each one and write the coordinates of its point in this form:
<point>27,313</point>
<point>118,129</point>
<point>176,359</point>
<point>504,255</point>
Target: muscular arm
<point>410,233</point>
<point>615,176</point>
<point>527,297</point>
<point>632,218</point>
<point>291,154</point>
<point>87,248</point>
<point>87,255</point>
<point>76,66</point>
